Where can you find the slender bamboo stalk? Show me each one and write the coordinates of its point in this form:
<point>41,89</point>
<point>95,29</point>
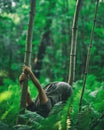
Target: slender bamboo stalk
<point>74,43</point>
<point>88,56</point>
<point>27,57</point>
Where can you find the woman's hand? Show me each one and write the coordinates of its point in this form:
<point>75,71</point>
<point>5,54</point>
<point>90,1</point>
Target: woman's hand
<point>27,70</point>
<point>23,77</point>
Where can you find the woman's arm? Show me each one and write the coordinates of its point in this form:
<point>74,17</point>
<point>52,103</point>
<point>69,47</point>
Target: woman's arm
<point>42,95</point>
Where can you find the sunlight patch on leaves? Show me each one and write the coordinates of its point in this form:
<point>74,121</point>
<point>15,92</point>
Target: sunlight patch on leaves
<point>5,95</point>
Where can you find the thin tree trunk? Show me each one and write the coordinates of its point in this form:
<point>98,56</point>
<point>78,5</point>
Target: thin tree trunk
<point>27,58</point>
<point>73,44</point>
<point>88,56</point>
<point>45,41</point>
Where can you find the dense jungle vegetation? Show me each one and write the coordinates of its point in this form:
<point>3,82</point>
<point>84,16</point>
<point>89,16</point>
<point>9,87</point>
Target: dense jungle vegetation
<point>51,47</point>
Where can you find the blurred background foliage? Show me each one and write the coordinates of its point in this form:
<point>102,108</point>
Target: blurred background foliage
<point>52,29</point>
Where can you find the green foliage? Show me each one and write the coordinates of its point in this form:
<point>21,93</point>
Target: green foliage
<point>67,114</point>
<point>13,29</point>
<point>92,107</point>
<point>9,100</point>
<point>52,122</point>
<point>4,126</point>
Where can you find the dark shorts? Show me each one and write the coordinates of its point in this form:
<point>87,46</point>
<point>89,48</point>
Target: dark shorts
<point>56,92</point>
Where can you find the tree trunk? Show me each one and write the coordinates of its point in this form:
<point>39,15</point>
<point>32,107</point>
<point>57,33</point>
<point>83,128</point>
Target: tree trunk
<point>27,58</point>
<point>88,56</point>
<point>45,41</point>
<point>73,44</point>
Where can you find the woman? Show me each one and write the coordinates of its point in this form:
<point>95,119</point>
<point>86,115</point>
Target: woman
<point>48,96</point>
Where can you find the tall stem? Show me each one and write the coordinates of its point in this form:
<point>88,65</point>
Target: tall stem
<point>27,57</point>
<point>74,43</point>
<point>88,56</point>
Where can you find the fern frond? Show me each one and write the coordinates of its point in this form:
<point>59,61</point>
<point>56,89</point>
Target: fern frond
<point>85,117</point>
<point>4,126</point>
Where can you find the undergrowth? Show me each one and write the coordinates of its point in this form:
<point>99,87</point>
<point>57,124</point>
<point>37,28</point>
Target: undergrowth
<point>63,116</point>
